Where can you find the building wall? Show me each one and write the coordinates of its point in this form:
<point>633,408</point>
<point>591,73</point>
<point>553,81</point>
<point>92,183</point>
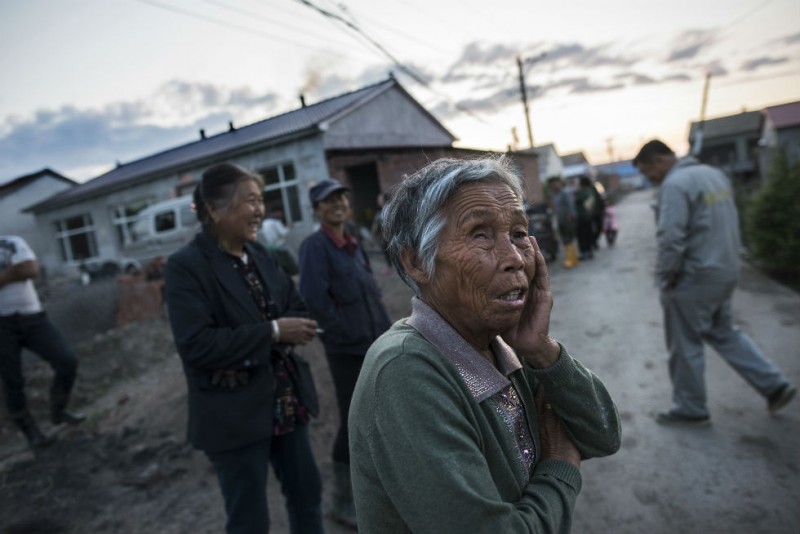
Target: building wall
<point>388,120</point>
<point>550,164</point>
<point>305,154</point>
<point>786,138</point>
<point>14,221</point>
<point>393,165</point>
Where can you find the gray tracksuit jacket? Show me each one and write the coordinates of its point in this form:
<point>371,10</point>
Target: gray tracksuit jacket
<point>698,225</point>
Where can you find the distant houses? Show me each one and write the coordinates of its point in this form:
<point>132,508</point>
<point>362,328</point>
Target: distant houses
<point>25,191</point>
<point>780,130</point>
<point>368,139</point>
<point>743,144</point>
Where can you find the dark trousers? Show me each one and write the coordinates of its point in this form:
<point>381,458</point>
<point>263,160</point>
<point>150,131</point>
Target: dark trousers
<point>344,370</point>
<point>36,333</point>
<point>242,476</point>
<point>585,236</point>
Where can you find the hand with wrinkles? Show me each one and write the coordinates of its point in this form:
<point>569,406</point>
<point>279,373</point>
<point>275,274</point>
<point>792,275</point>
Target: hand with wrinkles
<point>530,338</point>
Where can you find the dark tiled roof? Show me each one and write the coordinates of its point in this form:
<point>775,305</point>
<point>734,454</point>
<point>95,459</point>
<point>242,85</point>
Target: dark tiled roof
<point>16,183</point>
<point>741,123</point>
<point>573,159</point>
<point>784,115</point>
<point>305,119</point>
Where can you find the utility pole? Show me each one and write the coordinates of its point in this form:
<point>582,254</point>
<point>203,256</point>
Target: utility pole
<point>524,92</point>
<point>610,148</point>
<point>698,138</point>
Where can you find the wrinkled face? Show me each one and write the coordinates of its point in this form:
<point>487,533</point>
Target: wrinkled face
<point>240,221</point>
<point>484,263</point>
<point>334,210</point>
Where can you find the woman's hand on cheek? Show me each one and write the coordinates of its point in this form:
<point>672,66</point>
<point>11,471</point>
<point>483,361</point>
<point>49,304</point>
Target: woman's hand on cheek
<point>530,338</point>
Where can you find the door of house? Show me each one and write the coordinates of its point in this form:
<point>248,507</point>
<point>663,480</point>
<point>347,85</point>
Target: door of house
<point>365,188</point>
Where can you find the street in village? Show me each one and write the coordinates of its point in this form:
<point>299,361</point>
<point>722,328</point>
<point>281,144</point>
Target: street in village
<point>128,469</point>
<point>741,475</point>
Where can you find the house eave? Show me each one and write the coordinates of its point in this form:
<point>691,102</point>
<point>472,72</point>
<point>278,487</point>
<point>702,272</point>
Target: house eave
<point>77,197</point>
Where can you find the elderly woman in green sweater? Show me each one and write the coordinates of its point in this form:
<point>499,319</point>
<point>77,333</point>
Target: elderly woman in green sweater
<point>468,416</point>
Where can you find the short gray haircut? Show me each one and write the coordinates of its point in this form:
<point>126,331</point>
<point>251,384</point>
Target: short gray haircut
<point>218,186</point>
<point>414,217</point>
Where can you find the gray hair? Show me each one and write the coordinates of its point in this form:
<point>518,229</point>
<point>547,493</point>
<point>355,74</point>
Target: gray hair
<point>415,218</point>
<point>218,187</point>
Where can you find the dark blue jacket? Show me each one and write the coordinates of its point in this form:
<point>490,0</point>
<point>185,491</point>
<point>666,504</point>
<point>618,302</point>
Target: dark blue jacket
<point>342,295</point>
<point>217,325</point>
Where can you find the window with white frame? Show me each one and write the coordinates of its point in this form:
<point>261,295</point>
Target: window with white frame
<point>76,238</point>
<point>124,217</point>
<point>281,188</point>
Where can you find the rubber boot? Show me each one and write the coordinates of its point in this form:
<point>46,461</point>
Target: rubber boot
<point>28,426</point>
<point>58,404</point>
<point>343,510</point>
<point>572,255</point>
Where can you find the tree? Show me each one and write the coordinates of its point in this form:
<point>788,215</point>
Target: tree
<point>773,220</point>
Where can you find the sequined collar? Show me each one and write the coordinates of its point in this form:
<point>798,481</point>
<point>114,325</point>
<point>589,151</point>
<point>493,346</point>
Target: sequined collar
<point>480,376</point>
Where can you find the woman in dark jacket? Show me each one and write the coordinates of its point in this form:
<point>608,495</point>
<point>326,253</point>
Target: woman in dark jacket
<point>234,315</point>
<point>337,283</point>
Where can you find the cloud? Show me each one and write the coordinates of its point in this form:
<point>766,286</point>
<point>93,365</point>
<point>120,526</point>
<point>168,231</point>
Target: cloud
<point>716,69</point>
<point>73,139</point>
<point>676,78</point>
<point>636,78</point>
<point>790,39</point>
<point>757,63</point>
<point>581,85</point>
<point>577,55</point>
<point>689,44</point>
<point>478,54</point>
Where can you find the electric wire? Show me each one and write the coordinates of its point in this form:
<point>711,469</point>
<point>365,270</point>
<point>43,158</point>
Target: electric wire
<point>239,27</point>
<point>402,67</point>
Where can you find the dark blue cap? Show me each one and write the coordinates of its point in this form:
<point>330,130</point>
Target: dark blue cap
<point>323,189</point>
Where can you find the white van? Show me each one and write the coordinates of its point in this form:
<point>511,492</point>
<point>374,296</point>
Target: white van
<point>161,229</point>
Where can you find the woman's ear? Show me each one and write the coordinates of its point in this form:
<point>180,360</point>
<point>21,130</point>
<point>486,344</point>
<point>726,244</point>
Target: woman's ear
<point>213,213</point>
<point>411,264</point>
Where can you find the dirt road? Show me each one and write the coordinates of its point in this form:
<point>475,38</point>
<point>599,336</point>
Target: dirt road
<point>128,470</point>
<point>738,476</point>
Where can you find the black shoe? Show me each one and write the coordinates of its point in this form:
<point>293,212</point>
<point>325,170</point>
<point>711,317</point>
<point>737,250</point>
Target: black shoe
<point>673,419</point>
<point>63,416</point>
<point>39,440</point>
<point>781,397</point>
<point>28,426</point>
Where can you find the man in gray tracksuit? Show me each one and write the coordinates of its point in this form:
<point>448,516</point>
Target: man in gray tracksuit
<point>698,269</point>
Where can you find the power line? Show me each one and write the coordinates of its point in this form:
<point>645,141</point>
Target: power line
<point>212,20</point>
<point>403,68</point>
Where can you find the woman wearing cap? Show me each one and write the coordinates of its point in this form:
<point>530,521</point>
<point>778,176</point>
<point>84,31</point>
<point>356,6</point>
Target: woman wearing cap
<point>339,288</point>
<point>234,313</point>
<point>468,416</point>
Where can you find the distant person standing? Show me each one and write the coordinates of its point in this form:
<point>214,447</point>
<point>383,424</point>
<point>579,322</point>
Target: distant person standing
<point>698,270</point>
<point>337,284</point>
<point>377,230</point>
<point>564,207</point>
<point>598,217</point>
<point>610,224</point>
<point>24,324</point>
<point>586,207</point>
<point>273,231</point>
<point>273,234</point>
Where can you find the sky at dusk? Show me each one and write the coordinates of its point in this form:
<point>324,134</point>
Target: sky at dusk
<point>88,83</point>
